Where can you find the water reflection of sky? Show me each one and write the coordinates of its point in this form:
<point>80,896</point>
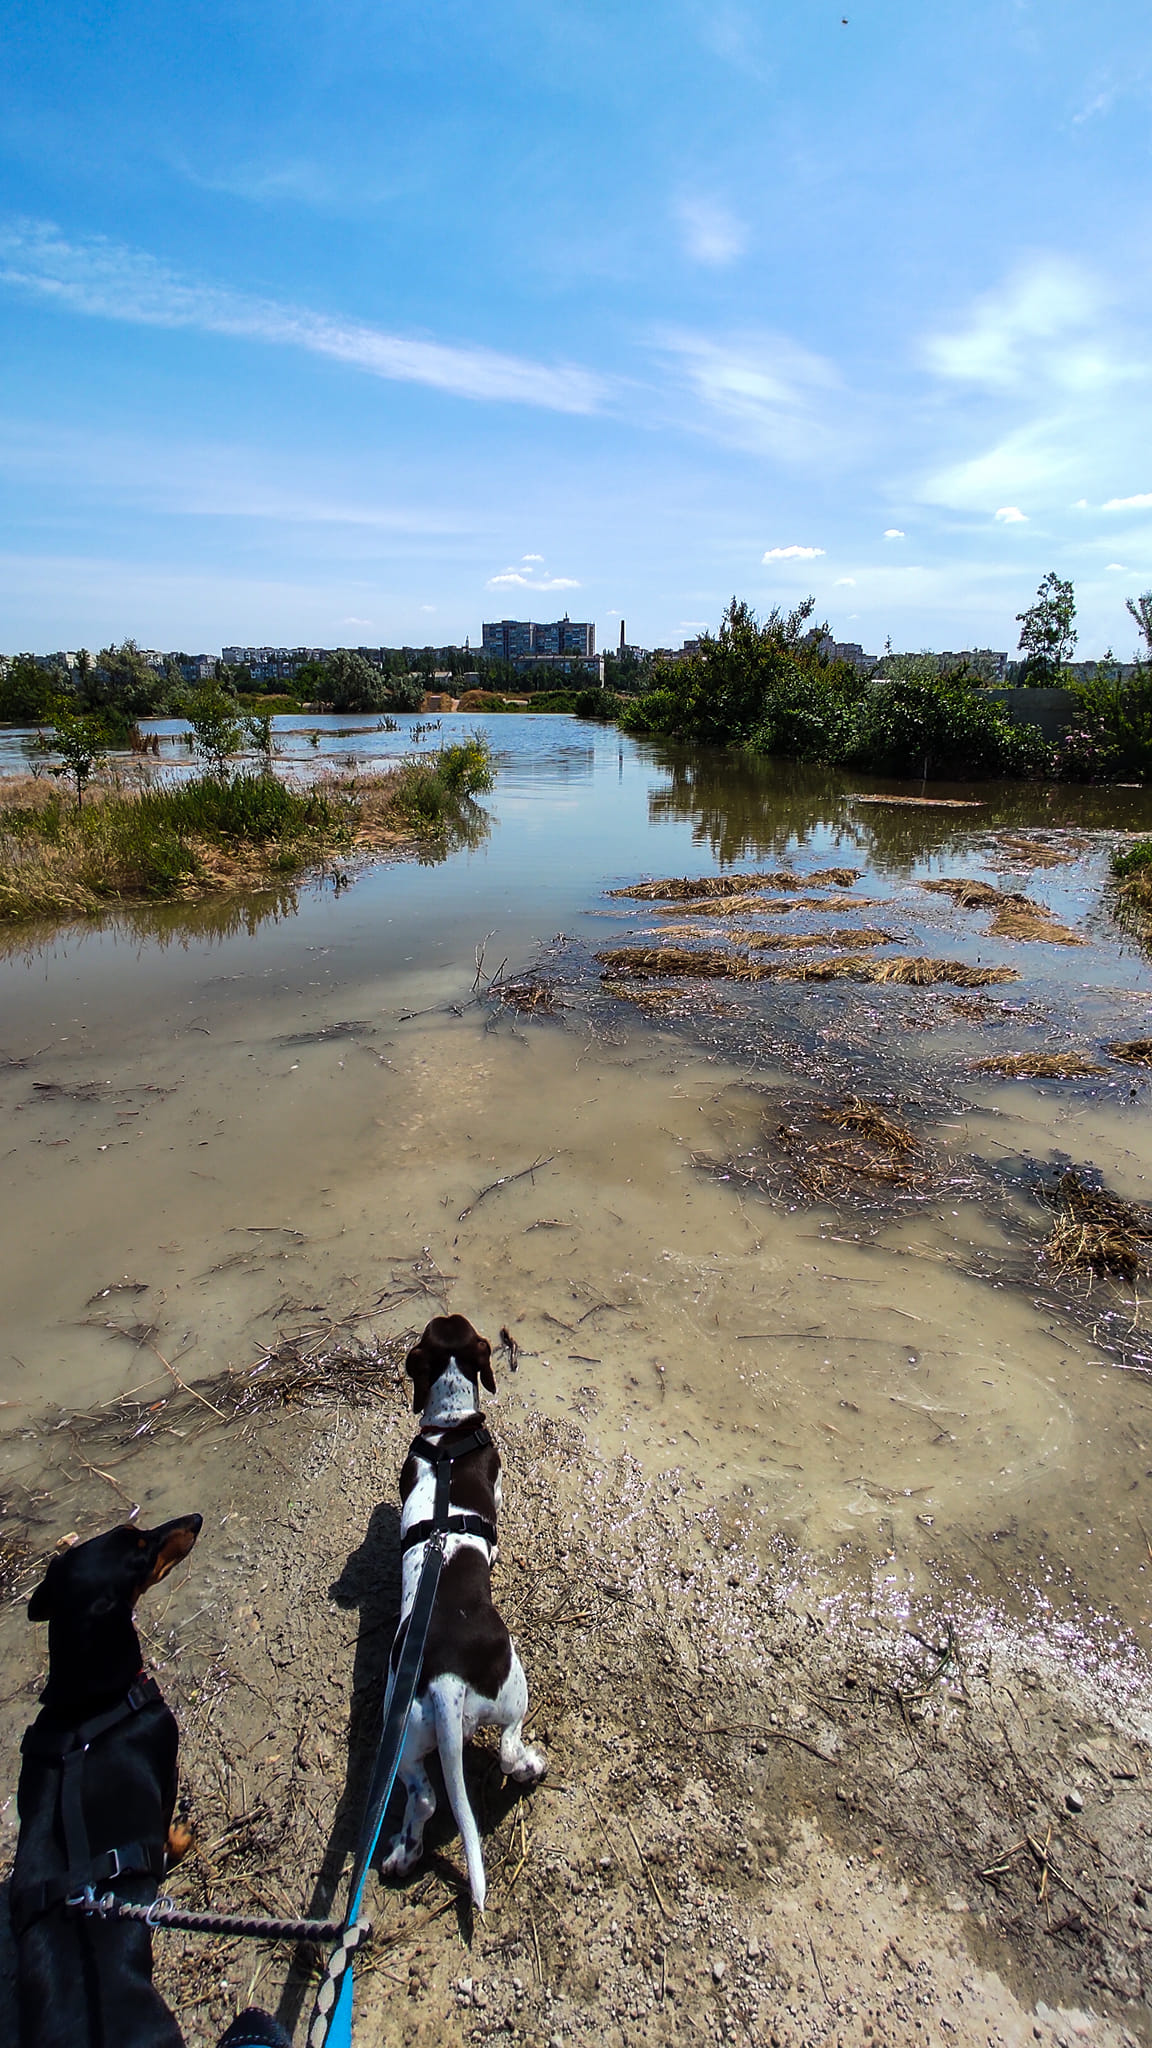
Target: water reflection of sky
<point>577,809</point>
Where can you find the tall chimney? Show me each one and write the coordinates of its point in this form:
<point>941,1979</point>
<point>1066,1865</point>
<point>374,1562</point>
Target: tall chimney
<point>621,636</point>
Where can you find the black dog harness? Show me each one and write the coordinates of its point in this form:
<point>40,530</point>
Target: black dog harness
<point>442,1456</point>
<point>65,1749</point>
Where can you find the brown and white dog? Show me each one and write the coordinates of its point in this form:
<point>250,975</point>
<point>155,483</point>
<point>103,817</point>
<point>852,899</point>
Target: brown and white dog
<point>471,1676</point>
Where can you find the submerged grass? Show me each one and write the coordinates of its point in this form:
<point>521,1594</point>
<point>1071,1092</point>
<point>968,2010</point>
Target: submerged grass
<point>1137,1051</point>
<point>1040,1066</point>
<point>215,832</point>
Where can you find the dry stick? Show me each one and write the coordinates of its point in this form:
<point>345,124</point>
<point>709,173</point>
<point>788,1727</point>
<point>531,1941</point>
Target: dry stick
<point>98,1474</point>
<point>819,1971</point>
<point>505,1181</point>
<point>647,1871</point>
<point>536,1946</point>
<point>183,1384</point>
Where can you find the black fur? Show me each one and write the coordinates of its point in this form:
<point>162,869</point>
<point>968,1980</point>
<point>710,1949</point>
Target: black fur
<point>85,1983</point>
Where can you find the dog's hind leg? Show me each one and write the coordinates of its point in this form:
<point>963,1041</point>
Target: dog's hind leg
<point>517,1760</point>
<point>408,1846</point>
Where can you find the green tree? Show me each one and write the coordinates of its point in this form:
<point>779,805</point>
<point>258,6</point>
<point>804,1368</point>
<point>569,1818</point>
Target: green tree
<point>216,731</point>
<point>26,691</point>
<point>257,729</point>
<point>121,680</point>
<point>1048,636</point>
<point>353,684</point>
<point>80,739</point>
<point>1141,610</point>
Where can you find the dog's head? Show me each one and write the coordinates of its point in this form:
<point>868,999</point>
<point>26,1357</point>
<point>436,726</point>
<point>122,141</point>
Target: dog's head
<point>107,1575</point>
<point>448,1341</point>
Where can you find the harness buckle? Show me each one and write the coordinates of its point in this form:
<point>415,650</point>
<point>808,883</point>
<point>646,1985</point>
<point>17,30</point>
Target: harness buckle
<point>116,1863</point>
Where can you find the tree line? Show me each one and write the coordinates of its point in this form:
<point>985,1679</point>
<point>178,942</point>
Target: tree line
<point>768,686</point>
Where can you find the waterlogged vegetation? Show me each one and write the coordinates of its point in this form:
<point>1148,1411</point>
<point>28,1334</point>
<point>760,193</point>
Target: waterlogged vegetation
<point>767,686</point>
<point>223,829</point>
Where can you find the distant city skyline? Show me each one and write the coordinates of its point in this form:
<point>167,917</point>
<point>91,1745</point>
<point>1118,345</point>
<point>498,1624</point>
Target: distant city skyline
<point>302,345</point>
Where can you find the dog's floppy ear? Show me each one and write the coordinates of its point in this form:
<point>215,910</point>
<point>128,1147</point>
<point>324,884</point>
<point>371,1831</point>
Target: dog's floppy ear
<point>484,1355</point>
<point>173,1541</point>
<point>418,1367</point>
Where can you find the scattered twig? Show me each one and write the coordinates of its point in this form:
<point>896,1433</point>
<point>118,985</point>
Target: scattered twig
<point>505,1181</point>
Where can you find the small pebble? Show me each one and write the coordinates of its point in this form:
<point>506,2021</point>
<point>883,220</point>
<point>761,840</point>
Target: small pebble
<point>1074,1801</point>
<point>718,1969</point>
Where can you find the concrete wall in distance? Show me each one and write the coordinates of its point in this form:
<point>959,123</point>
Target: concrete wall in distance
<point>1052,710</point>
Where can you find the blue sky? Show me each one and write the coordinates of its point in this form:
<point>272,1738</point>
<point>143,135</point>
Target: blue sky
<point>360,323</point>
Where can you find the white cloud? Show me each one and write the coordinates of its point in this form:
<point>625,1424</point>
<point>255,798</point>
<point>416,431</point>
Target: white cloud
<point>357,622</point>
<point>712,234</point>
<point>1011,515</point>
<point>1047,324</point>
<point>427,607</point>
<point>531,558</point>
<point>893,533</point>
<point>515,579</point>
<point>1122,567</point>
<point>792,554</point>
<point>845,583</point>
<point>111,282</point>
<point>1138,503</point>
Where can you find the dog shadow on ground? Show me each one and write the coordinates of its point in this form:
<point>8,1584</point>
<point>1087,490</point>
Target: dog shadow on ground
<point>370,1582</point>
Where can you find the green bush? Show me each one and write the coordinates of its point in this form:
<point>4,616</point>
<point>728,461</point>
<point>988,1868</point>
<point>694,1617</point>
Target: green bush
<point>940,725</point>
<point>434,787</point>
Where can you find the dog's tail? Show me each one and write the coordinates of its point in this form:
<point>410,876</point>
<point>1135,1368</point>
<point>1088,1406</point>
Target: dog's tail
<point>448,1705</point>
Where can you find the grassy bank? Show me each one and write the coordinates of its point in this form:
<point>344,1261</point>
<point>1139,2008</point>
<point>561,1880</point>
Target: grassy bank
<point>214,833</point>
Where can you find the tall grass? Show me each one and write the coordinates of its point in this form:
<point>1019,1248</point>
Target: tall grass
<point>220,832</point>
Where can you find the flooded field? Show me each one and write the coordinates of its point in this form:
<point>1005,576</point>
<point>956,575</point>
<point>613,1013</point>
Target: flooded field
<point>797,1142</point>
<point>228,1121</point>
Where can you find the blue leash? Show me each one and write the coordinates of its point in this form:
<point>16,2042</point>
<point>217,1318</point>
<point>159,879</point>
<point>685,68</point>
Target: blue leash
<point>331,2023</point>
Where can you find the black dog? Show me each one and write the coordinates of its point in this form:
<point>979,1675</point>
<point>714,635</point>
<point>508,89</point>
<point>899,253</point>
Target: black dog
<point>96,1798</point>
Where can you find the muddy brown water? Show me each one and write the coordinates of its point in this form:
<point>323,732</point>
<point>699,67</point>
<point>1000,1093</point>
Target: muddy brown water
<point>224,1122</point>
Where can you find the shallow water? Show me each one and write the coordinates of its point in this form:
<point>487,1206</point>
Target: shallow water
<point>225,1120</point>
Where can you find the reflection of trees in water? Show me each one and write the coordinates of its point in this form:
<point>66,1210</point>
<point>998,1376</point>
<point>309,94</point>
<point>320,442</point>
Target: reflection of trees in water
<point>210,921</point>
<point>460,834</point>
<point>745,807</point>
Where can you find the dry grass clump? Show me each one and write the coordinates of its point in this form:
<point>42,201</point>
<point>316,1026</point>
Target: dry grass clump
<point>1094,1230</point>
<point>1026,851</point>
<point>690,888</point>
<point>298,1374</point>
<point>968,894</point>
<point>1040,1066</point>
<point>799,942</point>
<point>659,962</point>
<point>1037,924</point>
<point>1016,916</point>
<point>664,962</point>
<point>1137,1051</point>
<point>923,803</point>
<point>784,906</point>
<point>878,1151</point>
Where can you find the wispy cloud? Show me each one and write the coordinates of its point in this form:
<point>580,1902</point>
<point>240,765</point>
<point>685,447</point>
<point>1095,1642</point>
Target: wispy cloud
<point>711,232</point>
<point>1011,515</point>
<point>791,554</point>
<point>111,282</point>
<point>1049,323</point>
<point>1137,504</point>
<point>762,391</point>
<point>894,533</point>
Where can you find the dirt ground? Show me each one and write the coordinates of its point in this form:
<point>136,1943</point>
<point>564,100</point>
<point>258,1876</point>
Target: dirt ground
<point>761,1822</point>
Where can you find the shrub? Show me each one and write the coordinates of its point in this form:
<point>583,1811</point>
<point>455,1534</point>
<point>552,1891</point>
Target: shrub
<point>931,724</point>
